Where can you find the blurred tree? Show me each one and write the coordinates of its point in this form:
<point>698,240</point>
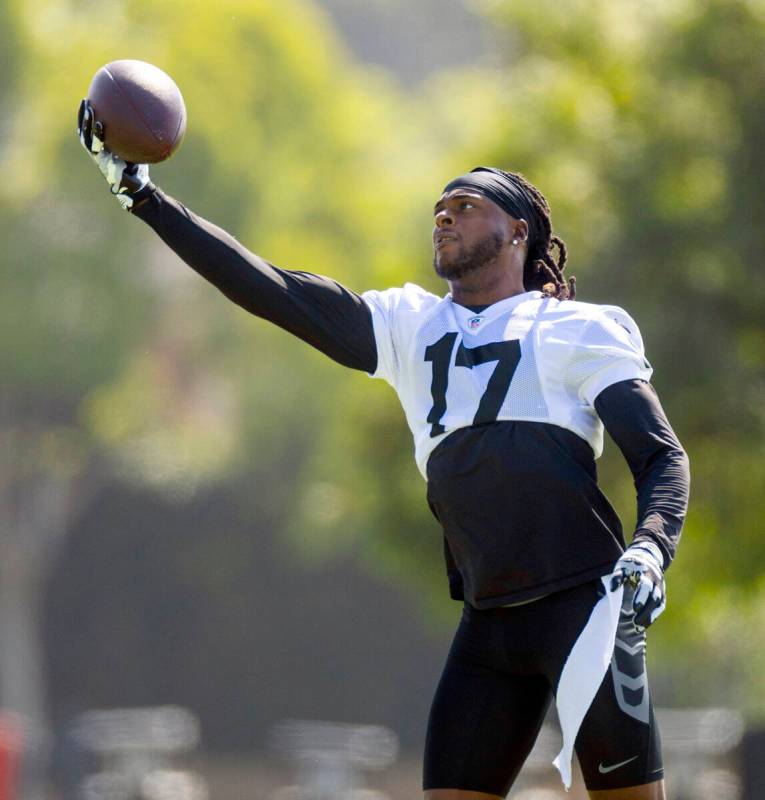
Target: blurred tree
<point>112,360</point>
<point>664,102</point>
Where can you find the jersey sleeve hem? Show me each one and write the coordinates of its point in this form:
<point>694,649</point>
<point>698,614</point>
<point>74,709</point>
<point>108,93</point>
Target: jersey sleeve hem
<point>386,357</point>
<point>625,369</point>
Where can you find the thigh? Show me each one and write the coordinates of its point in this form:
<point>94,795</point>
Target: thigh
<point>484,720</point>
<point>618,745</point>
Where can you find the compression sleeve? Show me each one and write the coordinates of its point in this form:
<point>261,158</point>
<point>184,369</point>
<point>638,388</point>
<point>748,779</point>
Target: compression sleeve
<point>318,310</point>
<point>632,415</point>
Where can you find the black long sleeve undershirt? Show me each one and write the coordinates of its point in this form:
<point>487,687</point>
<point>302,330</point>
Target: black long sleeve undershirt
<point>318,310</point>
<point>635,420</point>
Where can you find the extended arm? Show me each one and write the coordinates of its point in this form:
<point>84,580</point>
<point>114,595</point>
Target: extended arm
<point>320,311</point>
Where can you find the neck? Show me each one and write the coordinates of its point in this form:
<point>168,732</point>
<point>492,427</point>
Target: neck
<point>486,286</point>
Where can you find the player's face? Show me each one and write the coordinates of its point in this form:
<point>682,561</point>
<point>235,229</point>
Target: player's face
<point>469,232</point>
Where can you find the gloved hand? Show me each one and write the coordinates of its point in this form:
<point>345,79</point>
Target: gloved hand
<point>128,182</point>
<point>642,567</point>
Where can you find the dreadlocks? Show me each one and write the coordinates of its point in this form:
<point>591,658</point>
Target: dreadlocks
<point>541,271</point>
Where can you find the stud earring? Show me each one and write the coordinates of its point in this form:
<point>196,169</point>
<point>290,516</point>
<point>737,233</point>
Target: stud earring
<point>515,241</point>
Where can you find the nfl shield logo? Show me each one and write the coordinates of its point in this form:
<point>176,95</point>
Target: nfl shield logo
<point>474,322</point>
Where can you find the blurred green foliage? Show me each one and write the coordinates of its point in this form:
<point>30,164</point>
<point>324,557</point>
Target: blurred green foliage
<point>642,124</point>
<point>675,160</point>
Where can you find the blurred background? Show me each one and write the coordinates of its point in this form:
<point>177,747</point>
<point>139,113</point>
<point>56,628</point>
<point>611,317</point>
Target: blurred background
<point>218,573</point>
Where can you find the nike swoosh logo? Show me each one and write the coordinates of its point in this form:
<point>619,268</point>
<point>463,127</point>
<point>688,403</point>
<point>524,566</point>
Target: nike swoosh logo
<point>605,770</point>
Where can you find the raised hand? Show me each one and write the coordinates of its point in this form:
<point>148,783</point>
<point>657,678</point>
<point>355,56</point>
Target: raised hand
<point>128,182</point>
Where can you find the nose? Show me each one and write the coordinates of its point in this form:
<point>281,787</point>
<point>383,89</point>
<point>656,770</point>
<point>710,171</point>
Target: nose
<point>444,218</point>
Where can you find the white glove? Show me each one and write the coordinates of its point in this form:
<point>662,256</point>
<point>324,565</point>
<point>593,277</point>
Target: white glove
<point>129,183</point>
<point>642,566</point>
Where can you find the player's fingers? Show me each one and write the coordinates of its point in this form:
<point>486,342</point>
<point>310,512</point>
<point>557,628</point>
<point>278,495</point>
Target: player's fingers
<point>643,618</point>
<point>659,609</point>
<point>642,595</point>
<point>84,123</point>
<point>81,115</point>
<point>115,168</point>
<point>651,609</point>
<point>617,580</point>
<point>97,144</point>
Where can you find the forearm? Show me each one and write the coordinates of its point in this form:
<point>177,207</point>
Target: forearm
<point>633,416</point>
<point>318,310</point>
<point>662,502</point>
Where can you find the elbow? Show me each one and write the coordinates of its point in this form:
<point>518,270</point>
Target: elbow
<point>683,462</point>
<point>682,469</point>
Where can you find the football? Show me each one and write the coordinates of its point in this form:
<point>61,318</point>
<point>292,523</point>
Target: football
<point>141,109</point>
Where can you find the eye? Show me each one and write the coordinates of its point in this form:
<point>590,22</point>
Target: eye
<point>464,204</point>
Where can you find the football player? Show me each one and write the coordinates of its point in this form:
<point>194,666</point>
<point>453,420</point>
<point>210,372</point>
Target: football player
<point>507,383</point>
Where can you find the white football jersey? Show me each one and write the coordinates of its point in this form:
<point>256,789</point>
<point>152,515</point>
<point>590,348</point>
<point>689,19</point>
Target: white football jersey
<point>528,357</point>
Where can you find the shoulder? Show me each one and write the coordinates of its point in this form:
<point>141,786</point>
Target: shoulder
<point>580,312</point>
<point>407,298</point>
<point>396,315</point>
<point>591,324</point>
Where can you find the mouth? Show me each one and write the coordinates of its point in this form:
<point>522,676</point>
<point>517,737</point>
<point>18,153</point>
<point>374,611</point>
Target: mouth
<point>444,239</point>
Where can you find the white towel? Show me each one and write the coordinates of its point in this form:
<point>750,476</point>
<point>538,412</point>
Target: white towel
<point>584,670</point>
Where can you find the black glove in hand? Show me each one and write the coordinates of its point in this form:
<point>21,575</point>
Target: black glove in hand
<point>641,566</point>
<point>128,182</point>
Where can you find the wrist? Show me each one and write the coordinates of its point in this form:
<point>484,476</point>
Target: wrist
<point>651,549</point>
<point>142,195</point>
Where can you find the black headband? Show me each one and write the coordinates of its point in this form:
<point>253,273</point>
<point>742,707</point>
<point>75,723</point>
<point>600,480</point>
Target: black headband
<point>504,190</point>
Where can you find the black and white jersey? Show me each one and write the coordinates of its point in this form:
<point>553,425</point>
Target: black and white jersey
<point>506,405</point>
<point>528,357</point>
<point>501,405</point>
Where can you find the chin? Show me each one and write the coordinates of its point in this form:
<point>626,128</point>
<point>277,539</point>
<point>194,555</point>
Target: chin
<point>443,271</point>
<point>451,269</point>
<point>446,267</point>
<point>467,259</point>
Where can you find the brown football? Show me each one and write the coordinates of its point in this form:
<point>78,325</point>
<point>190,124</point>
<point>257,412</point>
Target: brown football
<point>141,109</point>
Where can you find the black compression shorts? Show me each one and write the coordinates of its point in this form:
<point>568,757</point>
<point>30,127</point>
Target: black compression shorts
<point>498,681</point>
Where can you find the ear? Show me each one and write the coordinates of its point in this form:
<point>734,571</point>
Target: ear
<point>520,230</point>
